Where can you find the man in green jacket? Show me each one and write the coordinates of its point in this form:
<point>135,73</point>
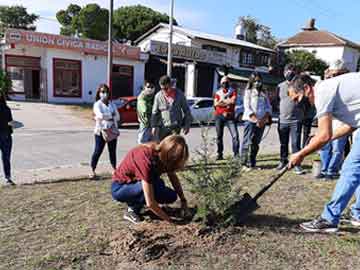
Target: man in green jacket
<point>170,111</point>
<point>144,108</point>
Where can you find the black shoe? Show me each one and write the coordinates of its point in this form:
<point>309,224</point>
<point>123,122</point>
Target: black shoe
<point>133,217</point>
<point>281,166</point>
<point>9,182</point>
<point>331,176</point>
<point>320,176</point>
<point>319,225</point>
<point>220,157</point>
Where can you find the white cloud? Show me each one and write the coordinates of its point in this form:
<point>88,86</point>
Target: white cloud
<point>186,17</point>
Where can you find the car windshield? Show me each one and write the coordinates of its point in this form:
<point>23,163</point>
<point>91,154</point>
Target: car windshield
<point>120,102</point>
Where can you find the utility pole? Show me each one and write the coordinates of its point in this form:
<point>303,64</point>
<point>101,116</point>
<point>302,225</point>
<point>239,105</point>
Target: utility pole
<point>110,47</point>
<point>169,62</point>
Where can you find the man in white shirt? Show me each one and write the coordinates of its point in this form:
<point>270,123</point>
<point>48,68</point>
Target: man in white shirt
<point>338,97</point>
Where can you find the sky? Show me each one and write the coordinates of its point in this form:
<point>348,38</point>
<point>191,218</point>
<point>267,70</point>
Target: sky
<point>285,17</point>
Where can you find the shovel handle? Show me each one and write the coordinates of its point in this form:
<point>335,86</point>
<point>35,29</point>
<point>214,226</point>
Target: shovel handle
<point>273,180</point>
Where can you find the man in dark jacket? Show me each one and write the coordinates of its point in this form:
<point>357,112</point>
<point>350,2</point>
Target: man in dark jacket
<point>6,138</point>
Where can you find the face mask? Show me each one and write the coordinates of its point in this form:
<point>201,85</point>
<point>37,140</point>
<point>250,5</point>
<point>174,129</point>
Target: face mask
<point>149,91</point>
<point>226,85</point>
<point>289,75</point>
<point>103,96</point>
<point>257,85</point>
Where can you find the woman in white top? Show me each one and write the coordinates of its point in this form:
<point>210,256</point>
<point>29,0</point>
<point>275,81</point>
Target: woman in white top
<point>106,118</point>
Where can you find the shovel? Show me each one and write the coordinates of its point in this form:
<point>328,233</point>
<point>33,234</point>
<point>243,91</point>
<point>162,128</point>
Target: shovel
<point>247,205</point>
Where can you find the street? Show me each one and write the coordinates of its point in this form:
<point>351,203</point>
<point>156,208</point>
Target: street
<point>56,136</point>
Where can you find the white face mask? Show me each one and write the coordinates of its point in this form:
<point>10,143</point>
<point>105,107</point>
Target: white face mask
<point>104,96</point>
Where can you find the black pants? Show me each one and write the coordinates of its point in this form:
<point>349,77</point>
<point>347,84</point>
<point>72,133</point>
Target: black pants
<point>221,122</point>
<point>287,131</point>
<point>306,128</point>
<point>5,148</point>
<point>99,148</point>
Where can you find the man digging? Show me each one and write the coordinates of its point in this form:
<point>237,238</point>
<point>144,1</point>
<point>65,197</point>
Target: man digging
<point>338,97</point>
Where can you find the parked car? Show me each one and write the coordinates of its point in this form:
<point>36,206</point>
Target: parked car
<point>127,109</point>
<point>202,109</point>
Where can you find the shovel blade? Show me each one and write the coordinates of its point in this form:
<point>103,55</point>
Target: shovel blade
<point>245,207</point>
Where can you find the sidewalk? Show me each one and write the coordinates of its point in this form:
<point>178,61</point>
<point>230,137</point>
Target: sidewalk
<point>59,174</point>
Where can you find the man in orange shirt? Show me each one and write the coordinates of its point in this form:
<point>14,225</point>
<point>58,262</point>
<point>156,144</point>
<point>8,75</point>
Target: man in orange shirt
<point>224,102</point>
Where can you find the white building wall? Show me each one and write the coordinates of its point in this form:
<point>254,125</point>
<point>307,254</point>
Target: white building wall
<point>327,54</point>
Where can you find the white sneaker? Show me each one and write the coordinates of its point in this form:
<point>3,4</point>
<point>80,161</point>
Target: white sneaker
<point>246,169</point>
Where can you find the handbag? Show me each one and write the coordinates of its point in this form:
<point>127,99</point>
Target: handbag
<point>110,134</point>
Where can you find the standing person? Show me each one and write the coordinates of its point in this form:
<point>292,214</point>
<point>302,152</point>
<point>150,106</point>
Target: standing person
<point>137,181</point>
<point>332,154</point>
<point>290,121</point>
<point>309,115</point>
<point>256,115</point>
<point>106,120</point>
<point>170,111</point>
<point>6,138</point>
<point>144,108</point>
<point>337,97</point>
<point>224,103</point>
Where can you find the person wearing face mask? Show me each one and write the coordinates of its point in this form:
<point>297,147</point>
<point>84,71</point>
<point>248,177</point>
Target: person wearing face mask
<point>144,108</point>
<point>339,98</point>
<point>106,118</point>
<point>224,103</point>
<point>256,115</point>
<point>170,112</point>
<point>290,121</point>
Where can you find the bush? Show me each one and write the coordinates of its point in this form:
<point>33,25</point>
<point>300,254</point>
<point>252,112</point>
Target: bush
<point>213,184</point>
<point>5,83</point>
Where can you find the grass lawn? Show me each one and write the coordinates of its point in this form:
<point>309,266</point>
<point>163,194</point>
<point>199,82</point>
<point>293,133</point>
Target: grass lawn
<point>76,225</point>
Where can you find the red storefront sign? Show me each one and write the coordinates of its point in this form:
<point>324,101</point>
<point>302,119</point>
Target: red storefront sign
<point>88,46</point>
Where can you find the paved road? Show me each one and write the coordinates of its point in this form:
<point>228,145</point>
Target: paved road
<point>55,136</point>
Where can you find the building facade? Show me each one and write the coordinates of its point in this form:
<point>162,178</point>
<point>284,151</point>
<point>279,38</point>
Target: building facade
<point>200,59</point>
<point>60,69</point>
<point>325,45</point>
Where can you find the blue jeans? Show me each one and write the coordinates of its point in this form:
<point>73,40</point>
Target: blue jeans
<point>5,148</point>
<point>287,131</point>
<point>221,122</point>
<point>99,148</point>
<point>347,185</point>
<point>332,156</point>
<point>250,146</point>
<point>144,135</point>
<point>133,194</point>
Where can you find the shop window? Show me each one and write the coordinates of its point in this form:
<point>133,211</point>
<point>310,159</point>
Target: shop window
<point>122,81</point>
<point>67,78</point>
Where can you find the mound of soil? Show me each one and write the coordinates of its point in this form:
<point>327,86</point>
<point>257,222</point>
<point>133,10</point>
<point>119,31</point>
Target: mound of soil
<point>160,243</point>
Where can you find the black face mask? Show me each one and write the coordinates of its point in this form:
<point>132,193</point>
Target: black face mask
<point>226,85</point>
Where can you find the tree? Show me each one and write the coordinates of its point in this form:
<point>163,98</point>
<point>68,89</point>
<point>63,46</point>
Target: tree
<point>16,17</point>
<point>90,21</point>
<point>257,33</point>
<point>5,83</point>
<point>133,21</point>
<point>306,61</point>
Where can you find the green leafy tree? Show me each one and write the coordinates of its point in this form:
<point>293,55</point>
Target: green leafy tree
<point>306,61</point>
<point>90,21</point>
<point>133,21</point>
<point>257,33</point>
<point>16,17</point>
<point>5,83</point>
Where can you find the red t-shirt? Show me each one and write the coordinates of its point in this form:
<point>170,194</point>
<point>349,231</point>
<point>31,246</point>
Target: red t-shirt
<point>139,164</point>
<point>223,94</point>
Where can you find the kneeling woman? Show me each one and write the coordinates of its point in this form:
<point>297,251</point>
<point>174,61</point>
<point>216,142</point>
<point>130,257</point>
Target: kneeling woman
<point>137,181</point>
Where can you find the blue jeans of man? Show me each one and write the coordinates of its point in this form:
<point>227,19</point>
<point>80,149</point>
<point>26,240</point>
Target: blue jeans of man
<point>132,194</point>
<point>347,185</point>
<point>332,156</point>
<point>250,146</point>
<point>144,135</point>
<point>5,148</point>
<point>99,148</point>
<point>287,131</point>
<point>221,122</point>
